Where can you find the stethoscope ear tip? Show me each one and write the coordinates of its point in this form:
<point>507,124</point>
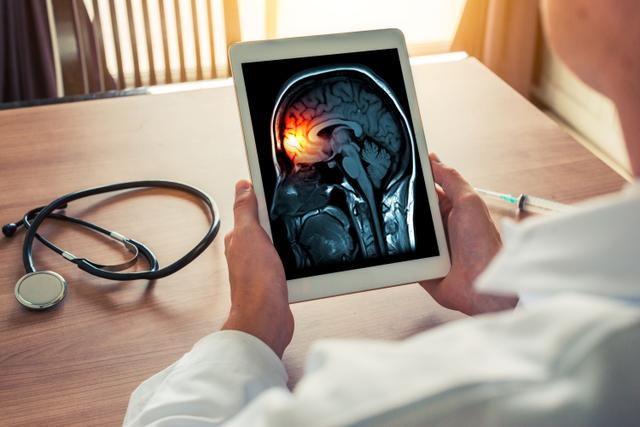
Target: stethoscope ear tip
<point>40,289</point>
<point>9,229</point>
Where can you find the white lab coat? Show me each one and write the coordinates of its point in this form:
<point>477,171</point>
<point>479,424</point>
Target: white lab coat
<point>569,358</point>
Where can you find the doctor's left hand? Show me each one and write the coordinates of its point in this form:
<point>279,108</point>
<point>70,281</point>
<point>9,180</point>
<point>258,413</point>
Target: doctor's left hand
<point>259,300</point>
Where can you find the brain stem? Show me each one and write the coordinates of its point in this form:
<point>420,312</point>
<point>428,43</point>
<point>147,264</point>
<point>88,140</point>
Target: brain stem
<point>353,167</point>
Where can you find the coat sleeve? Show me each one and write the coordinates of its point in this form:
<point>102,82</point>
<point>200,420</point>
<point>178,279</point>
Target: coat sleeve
<point>567,361</point>
<point>210,384</point>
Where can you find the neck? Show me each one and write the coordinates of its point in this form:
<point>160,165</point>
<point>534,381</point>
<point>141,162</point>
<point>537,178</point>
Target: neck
<point>628,105</point>
<point>629,114</point>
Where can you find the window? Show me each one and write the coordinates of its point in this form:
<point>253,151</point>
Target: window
<point>428,25</point>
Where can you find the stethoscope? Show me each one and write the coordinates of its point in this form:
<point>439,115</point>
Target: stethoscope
<point>43,289</point>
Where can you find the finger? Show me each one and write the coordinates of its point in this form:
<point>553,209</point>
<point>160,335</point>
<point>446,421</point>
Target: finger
<point>444,203</point>
<point>453,184</point>
<point>440,192</point>
<point>434,157</point>
<point>443,200</point>
<point>245,207</point>
<point>227,240</point>
<point>430,285</point>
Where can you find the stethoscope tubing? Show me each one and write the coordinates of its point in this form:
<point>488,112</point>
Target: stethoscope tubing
<point>153,272</point>
<point>135,247</point>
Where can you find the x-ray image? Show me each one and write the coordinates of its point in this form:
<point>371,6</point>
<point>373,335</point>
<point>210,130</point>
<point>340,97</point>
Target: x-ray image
<point>343,182</point>
<point>345,138</point>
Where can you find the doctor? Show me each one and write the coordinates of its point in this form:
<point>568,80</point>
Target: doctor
<point>569,357</point>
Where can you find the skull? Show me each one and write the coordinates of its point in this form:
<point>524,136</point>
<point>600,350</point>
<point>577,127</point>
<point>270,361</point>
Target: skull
<point>344,157</point>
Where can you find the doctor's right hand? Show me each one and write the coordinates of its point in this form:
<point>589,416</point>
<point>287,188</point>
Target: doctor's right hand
<point>473,242</point>
<point>259,300</point>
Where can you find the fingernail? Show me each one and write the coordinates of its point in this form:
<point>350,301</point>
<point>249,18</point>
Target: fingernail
<point>242,187</point>
<point>435,157</point>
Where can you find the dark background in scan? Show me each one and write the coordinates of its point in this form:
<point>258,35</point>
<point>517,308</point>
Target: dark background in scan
<point>263,81</point>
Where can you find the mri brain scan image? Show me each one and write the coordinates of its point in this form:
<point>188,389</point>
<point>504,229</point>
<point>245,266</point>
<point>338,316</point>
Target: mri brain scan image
<point>345,163</point>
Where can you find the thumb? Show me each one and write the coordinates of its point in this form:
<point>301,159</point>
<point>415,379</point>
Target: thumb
<point>245,207</point>
<point>453,184</point>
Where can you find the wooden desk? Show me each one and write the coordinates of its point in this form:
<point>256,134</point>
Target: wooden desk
<point>78,363</point>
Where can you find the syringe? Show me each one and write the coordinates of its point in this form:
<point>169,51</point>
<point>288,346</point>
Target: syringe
<point>527,203</point>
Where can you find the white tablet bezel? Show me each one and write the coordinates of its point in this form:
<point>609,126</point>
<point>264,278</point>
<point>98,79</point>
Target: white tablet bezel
<point>359,279</point>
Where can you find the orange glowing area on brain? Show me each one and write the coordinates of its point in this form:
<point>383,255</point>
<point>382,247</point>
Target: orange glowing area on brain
<point>294,143</point>
<point>301,146</point>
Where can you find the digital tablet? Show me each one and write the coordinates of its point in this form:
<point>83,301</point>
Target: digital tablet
<point>339,161</point>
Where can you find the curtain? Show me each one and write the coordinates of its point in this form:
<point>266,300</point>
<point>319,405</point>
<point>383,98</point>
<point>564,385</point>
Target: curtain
<point>26,61</point>
<point>503,35</point>
<point>82,70</point>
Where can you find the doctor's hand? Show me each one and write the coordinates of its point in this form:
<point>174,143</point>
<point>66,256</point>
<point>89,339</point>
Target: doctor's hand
<point>259,301</point>
<point>473,242</point>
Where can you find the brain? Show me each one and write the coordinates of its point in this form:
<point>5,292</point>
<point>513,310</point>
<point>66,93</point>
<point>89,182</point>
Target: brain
<point>314,121</point>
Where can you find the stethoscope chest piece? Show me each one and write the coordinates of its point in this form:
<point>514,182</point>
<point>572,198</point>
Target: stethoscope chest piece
<point>40,289</point>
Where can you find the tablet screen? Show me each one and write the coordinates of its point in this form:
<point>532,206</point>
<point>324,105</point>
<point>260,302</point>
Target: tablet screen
<point>339,162</point>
